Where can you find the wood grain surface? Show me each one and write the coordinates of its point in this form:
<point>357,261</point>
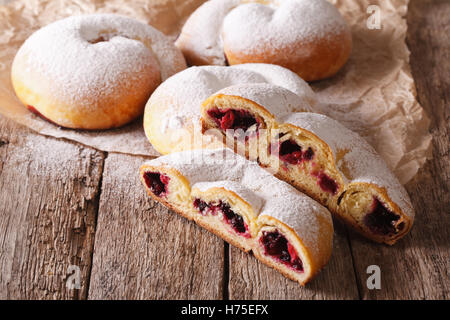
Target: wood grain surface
<point>63,204</point>
<point>48,204</point>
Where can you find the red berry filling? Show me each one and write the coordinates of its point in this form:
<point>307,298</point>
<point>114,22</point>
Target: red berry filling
<point>289,151</point>
<point>233,119</point>
<point>381,220</point>
<point>234,220</point>
<point>157,183</point>
<point>326,183</point>
<point>206,208</point>
<point>200,205</point>
<point>277,246</point>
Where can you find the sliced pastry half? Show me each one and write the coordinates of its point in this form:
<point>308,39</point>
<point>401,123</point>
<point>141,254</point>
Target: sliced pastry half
<point>245,205</point>
<point>318,156</point>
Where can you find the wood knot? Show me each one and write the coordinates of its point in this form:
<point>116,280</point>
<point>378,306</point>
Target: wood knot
<point>3,142</point>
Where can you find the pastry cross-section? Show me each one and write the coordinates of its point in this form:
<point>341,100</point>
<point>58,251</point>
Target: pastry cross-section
<point>319,156</point>
<point>245,205</point>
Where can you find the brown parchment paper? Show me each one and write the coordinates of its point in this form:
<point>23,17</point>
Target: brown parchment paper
<point>374,94</point>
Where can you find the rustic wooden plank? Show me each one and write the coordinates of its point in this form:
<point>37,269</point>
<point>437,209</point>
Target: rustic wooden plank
<point>48,204</point>
<point>418,266</point>
<point>143,250</point>
<point>250,279</point>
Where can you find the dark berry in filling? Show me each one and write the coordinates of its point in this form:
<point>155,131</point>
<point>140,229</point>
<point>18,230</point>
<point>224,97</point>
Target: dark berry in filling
<point>234,220</point>
<point>326,183</point>
<point>290,152</point>
<point>308,154</point>
<point>381,220</point>
<point>233,119</point>
<point>156,182</point>
<point>201,206</point>
<point>277,246</point>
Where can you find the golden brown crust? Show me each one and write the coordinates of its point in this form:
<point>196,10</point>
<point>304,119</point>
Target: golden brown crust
<point>112,111</point>
<point>326,57</point>
<point>225,235</point>
<point>272,264</point>
<point>315,262</point>
<point>381,193</point>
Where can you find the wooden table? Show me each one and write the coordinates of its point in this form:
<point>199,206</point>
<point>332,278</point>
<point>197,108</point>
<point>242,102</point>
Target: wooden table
<point>91,212</point>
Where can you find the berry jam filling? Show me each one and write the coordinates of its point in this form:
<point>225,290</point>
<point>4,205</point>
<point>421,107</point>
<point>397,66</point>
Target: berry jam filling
<point>277,246</point>
<point>234,220</point>
<point>289,151</point>
<point>326,183</point>
<point>381,220</point>
<point>157,183</point>
<point>201,206</point>
<point>233,119</point>
<point>206,208</point>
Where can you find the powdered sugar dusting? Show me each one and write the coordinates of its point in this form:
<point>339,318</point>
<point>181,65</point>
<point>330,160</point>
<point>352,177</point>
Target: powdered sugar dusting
<point>172,122</point>
<point>277,100</point>
<point>204,26</point>
<point>183,94</point>
<point>285,78</point>
<point>253,27</point>
<point>223,168</point>
<point>83,57</point>
<point>248,26</point>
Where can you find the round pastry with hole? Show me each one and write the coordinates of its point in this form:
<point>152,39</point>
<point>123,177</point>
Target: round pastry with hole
<point>320,157</point>
<point>93,71</point>
<point>245,205</point>
<point>308,37</point>
<point>172,114</point>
